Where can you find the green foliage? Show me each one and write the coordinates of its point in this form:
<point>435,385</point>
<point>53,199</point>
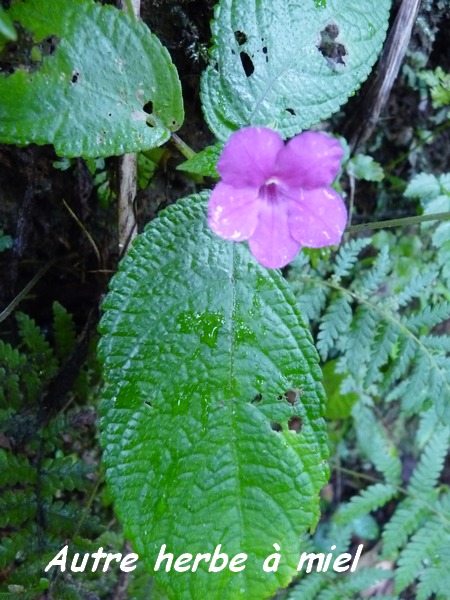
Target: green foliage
<point>439,83</point>
<point>204,162</point>
<point>419,531</point>
<point>389,353</point>
<point>147,163</point>
<point>329,586</point>
<point>7,29</point>
<point>97,70</point>
<point>198,435</point>
<point>365,167</point>
<point>434,196</point>
<point>45,479</point>
<point>339,405</point>
<point>288,65</point>
<point>64,331</point>
<point>380,337</point>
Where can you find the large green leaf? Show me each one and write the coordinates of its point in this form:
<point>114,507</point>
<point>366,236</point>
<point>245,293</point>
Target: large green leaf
<point>80,78</point>
<point>202,446</point>
<point>288,65</point>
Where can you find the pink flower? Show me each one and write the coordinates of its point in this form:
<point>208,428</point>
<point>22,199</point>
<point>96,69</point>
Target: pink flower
<point>278,196</point>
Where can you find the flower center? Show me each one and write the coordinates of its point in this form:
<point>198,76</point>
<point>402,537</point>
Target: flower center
<point>270,191</point>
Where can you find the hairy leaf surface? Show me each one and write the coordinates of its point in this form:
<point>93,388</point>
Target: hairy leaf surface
<point>288,65</point>
<point>211,416</point>
<point>85,79</point>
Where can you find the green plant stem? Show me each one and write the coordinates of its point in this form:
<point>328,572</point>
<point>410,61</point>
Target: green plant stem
<point>442,216</point>
<point>182,147</point>
<point>179,144</point>
<point>131,10</point>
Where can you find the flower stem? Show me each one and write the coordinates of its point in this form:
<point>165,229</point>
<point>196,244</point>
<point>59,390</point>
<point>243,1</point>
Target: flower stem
<point>182,147</point>
<point>442,216</point>
<point>132,9</point>
<point>179,144</point>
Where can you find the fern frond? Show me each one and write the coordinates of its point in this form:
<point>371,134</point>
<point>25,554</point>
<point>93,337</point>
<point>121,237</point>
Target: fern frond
<point>65,474</point>
<point>355,583</point>
<point>335,322</point>
<point>13,544</point>
<point>375,444</point>
<point>311,300</point>
<point>414,288</point>
<point>309,586</point>
<point>367,501</point>
<point>381,349</point>
<point>16,507</point>
<point>64,331</point>
<point>359,341</point>
<point>38,348</point>
<point>388,342</point>
<point>347,257</point>
<point>418,553</point>
<point>15,469</point>
<point>12,362</point>
<point>435,579</point>
<point>408,515</point>
<point>427,318</point>
<point>431,463</point>
<point>429,422</point>
<point>373,278</point>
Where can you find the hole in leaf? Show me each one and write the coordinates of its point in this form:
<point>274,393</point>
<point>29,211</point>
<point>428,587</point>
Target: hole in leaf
<point>148,108</point>
<point>257,399</point>
<point>148,403</point>
<point>291,111</point>
<point>240,37</point>
<point>276,426</point>
<point>49,44</point>
<point>291,397</point>
<point>25,53</point>
<point>295,424</point>
<point>75,76</point>
<point>330,49</point>
<point>247,64</point>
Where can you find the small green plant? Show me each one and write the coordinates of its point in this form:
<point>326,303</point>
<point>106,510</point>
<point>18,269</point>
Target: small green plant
<point>46,485</point>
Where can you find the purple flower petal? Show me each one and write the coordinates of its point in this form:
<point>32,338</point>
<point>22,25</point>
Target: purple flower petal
<point>271,243</point>
<point>318,218</point>
<point>233,213</point>
<point>310,160</point>
<point>248,158</point>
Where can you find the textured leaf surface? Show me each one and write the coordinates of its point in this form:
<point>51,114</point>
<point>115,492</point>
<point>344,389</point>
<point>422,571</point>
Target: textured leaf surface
<point>288,65</point>
<point>202,446</point>
<point>84,80</point>
<point>204,162</point>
